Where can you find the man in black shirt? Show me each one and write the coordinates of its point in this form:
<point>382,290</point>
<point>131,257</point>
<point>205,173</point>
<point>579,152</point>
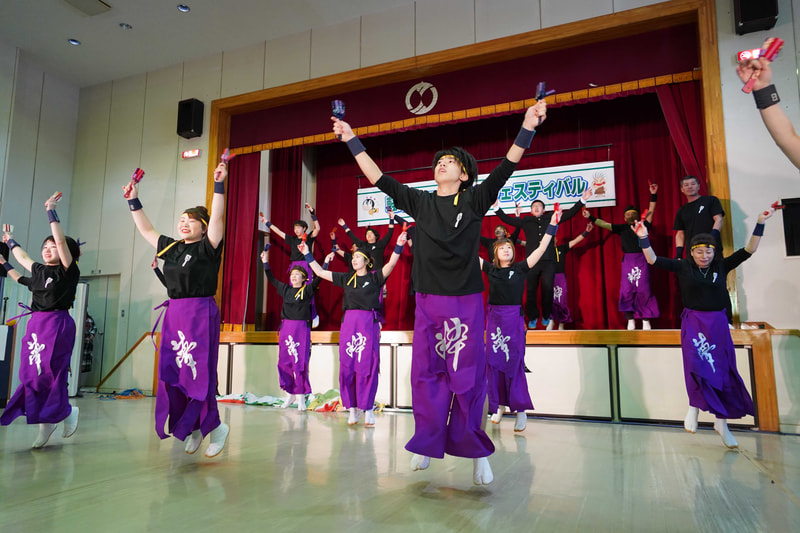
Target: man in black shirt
<point>701,214</point>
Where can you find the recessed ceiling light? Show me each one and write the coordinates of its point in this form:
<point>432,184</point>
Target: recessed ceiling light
<point>125,26</point>
<point>183,8</point>
<point>74,42</point>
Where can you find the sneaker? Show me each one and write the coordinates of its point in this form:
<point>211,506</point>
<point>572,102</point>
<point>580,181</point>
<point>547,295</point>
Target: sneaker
<point>532,324</point>
<point>546,322</point>
<point>71,423</point>
<point>218,438</point>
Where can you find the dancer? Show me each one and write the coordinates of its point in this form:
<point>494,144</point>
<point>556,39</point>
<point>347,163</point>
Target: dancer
<point>359,336</point>
<point>186,397</point>
<point>42,395</point>
<point>636,299</point>
<point>534,227</point>
<point>773,115</point>
<point>374,245</point>
<point>294,339</point>
<point>561,313</point>
<point>505,327</point>
<point>500,233</point>
<point>448,366</point>
<point>709,361</point>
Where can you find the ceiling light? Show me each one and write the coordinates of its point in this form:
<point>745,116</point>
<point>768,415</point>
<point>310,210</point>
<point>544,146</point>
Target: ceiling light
<point>74,42</point>
<point>183,8</point>
<point>125,26</point>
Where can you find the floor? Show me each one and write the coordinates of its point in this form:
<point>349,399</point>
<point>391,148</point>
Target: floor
<point>292,471</point>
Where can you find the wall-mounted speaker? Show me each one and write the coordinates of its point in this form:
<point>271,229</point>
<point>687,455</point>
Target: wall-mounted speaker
<point>190,118</point>
<point>791,226</point>
<point>754,15</point>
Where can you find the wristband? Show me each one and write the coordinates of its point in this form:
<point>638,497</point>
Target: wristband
<point>356,146</point>
<point>314,216</point>
<point>398,249</point>
<point>219,187</point>
<point>524,138</point>
<point>592,218</point>
<point>52,216</point>
<point>333,243</point>
<point>325,265</point>
<point>766,97</point>
<point>12,244</point>
<point>585,234</point>
<point>344,227</point>
<point>8,266</point>
<point>266,267</point>
<point>758,231</point>
<point>552,229</point>
<point>653,197</point>
<point>268,224</point>
<point>134,204</point>
<point>644,242</point>
<point>309,258</point>
<point>678,252</point>
<point>715,233</point>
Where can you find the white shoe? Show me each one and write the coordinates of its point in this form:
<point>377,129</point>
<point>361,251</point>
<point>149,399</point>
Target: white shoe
<point>721,427</point>
<point>71,423</point>
<point>301,402</point>
<point>690,422</point>
<point>646,325</point>
<point>522,421</point>
<point>561,326</point>
<point>631,324</point>
<point>288,401</point>
<point>193,441</point>
<point>498,416</point>
<point>218,437</point>
<point>549,326</point>
<point>315,322</point>
<point>369,419</point>
<point>45,430</point>
<point>481,471</point>
<point>420,462</point>
<point>353,418</point>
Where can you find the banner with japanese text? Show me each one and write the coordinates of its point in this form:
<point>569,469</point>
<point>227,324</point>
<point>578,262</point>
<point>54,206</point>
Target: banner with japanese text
<point>564,185</point>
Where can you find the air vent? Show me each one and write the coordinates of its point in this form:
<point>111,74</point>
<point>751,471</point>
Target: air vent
<point>89,7</point>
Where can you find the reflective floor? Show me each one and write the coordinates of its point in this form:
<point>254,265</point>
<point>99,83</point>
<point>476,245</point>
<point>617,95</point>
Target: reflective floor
<point>288,471</point>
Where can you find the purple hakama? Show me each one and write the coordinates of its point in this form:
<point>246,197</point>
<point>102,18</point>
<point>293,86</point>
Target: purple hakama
<point>359,359</point>
<point>560,312</point>
<point>294,353</point>
<point>448,377</point>
<point>42,395</point>
<point>187,368</point>
<point>634,288</point>
<point>505,355</point>
<point>709,365</point>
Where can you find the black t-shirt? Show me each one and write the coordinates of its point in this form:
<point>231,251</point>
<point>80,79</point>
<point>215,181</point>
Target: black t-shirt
<point>561,254</point>
<point>697,217</point>
<point>52,286</point>
<point>364,296</point>
<point>296,300</point>
<point>190,270</point>
<point>506,284</point>
<point>628,237</point>
<point>536,227</point>
<point>376,250</point>
<point>447,232</point>
<point>293,241</point>
<point>704,289</point>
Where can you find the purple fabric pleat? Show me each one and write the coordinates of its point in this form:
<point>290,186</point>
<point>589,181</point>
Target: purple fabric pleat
<point>505,354</point>
<point>359,359</point>
<point>560,312</point>
<point>634,288</point>
<point>294,353</point>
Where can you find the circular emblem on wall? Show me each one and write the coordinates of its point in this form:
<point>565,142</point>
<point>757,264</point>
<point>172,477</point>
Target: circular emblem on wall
<point>418,95</point>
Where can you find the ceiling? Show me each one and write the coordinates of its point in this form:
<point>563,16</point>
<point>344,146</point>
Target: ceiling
<point>161,35</point>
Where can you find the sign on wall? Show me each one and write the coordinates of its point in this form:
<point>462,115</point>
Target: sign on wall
<point>563,184</point>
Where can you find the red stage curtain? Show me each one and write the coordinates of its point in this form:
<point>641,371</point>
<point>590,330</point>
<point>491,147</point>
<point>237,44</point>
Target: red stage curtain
<point>238,277</point>
<point>681,104</point>
<point>286,167</point>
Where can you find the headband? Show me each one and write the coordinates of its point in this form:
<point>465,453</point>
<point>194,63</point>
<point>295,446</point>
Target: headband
<point>190,216</point>
<point>704,245</point>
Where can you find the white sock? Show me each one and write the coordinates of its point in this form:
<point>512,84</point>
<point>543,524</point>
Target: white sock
<point>522,421</point>
<point>301,402</point>
<point>420,462</point>
<point>288,401</point>
<point>353,418</point>
<point>561,326</point>
<point>721,427</point>
<point>71,423</point>
<point>549,326</point>
<point>646,324</point>
<point>498,416</point>
<point>45,430</point>
<point>481,471</point>
<point>690,422</point>
<point>369,418</point>
<point>631,324</point>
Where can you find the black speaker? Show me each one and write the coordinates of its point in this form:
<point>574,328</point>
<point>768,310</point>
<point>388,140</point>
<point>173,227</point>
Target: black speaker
<point>190,118</point>
<point>791,225</point>
<point>754,15</point>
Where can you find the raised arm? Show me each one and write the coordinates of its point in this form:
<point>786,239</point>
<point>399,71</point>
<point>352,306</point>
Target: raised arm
<point>644,242</point>
<point>358,242</point>
<point>534,116</point>
<point>599,222</point>
<point>9,268</point>
<point>511,221</point>
<point>216,222</point>
<point>651,209</point>
<point>20,255</point>
<point>386,238</point>
<point>755,238</point>
<point>58,232</point>
<point>318,270</point>
<point>146,230</point>
<point>314,222</point>
<point>272,228</point>
<point>577,240</point>
<point>398,249</point>
<point>365,162</point>
<point>577,206</point>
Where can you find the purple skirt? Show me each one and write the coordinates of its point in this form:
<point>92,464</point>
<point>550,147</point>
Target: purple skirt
<point>359,358</point>
<point>709,365</point>
<point>560,312</point>
<point>294,353</point>
<point>634,288</point>
<point>187,368</point>
<point>44,370</point>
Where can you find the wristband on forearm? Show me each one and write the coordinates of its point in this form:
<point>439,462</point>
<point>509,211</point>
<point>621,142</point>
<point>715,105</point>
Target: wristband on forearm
<point>12,244</point>
<point>715,233</point>
<point>8,266</point>
<point>356,146</point>
<point>592,218</point>
<point>52,216</point>
<point>398,249</point>
<point>266,267</point>
<point>644,242</point>
<point>766,97</point>
<point>758,231</point>
<point>268,224</point>
<point>678,252</point>
<point>134,204</point>
<point>552,229</point>
<point>309,258</point>
<point>653,197</point>
<point>219,187</point>
<point>314,216</point>
<point>524,138</point>
<point>334,244</point>
<point>585,234</point>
